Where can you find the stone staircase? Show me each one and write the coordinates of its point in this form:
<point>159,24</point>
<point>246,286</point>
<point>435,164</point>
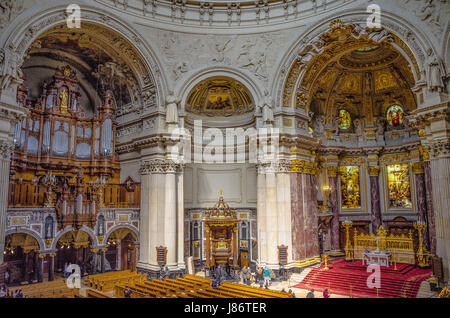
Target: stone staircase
<point>297,278</point>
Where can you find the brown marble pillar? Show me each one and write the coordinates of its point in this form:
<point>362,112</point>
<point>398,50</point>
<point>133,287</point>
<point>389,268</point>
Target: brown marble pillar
<point>430,210</point>
<point>421,198</point>
<point>35,266</point>
<point>375,210</point>
<point>51,267</point>
<point>207,247</point>
<point>312,221</point>
<point>102,260</point>
<point>40,268</point>
<point>332,179</point>
<point>26,273</point>
<point>297,219</point>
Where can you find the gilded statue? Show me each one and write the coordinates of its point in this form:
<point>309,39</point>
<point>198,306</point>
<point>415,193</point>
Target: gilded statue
<point>64,97</point>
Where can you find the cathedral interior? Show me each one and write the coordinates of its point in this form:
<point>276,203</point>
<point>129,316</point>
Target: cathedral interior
<point>192,138</point>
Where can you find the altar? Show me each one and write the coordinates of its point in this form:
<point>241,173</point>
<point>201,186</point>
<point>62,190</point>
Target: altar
<point>376,258</point>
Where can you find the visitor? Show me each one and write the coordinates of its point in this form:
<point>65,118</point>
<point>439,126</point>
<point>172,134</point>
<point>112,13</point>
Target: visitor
<point>7,277</point>
<point>166,272</point>
<point>310,294</point>
<point>266,277</point>
<point>260,277</point>
<point>65,270</point>
<point>292,293</point>
<point>326,294</point>
<point>248,276</point>
<point>215,283</point>
<point>244,275</point>
<point>3,291</point>
<point>127,293</point>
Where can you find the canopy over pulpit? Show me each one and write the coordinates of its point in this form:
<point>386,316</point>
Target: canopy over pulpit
<point>221,226</point>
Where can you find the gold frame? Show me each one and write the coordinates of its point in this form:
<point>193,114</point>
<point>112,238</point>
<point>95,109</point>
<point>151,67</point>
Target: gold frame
<point>362,185</point>
<point>412,189</point>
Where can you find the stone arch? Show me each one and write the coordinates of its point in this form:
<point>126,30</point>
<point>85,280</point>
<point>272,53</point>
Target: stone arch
<point>409,41</point>
<point>184,87</point>
<point>69,228</point>
<point>121,226</point>
<point>33,234</point>
<point>18,38</point>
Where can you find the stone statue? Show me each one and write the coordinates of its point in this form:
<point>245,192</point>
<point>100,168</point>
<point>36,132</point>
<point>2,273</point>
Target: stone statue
<point>172,108</point>
<point>267,111</point>
<point>9,69</point>
<point>318,125</point>
<point>358,126</point>
<point>433,72</point>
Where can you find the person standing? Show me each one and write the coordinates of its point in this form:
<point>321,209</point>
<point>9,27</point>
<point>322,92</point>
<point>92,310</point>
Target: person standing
<point>326,294</point>
<point>266,277</point>
<point>310,294</point>
<point>248,276</point>
<point>127,293</point>
<point>260,277</point>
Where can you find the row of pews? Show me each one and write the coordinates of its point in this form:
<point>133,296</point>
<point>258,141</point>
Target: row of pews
<point>192,287</point>
<point>106,281</point>
<point>53,289</point>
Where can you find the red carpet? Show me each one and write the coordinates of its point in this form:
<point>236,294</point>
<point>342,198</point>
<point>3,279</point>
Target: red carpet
<point>401,283</point>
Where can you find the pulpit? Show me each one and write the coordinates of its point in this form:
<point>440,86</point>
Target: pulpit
<point>221,226</point>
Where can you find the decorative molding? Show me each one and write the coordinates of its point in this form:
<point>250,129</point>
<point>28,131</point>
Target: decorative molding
<point>332,171</point>
<point>418,167</point>
<point>303,166</point>
<point>159,166</point>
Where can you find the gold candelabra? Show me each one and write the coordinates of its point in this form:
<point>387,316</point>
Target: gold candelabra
<point>422,256</point>
<point>348,248</point>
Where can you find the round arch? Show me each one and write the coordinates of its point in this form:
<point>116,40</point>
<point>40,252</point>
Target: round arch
<point>33,234</point>
<point>121,226</point>
<point>69,228</point>
<point>410,42</point>
<point>17,38</point>
<point>185,86</point>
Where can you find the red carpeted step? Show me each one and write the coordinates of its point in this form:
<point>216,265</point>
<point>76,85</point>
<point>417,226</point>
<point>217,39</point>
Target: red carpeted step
<point>403,282</point>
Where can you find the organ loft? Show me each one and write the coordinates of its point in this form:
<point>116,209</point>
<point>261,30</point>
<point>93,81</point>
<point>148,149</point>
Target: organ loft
<point>189,150</point>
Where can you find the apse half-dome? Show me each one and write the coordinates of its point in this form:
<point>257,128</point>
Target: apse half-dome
<point>219,97</point>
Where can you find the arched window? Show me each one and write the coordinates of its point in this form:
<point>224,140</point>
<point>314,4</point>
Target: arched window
<point>345,120</point>
<point>394,115</point>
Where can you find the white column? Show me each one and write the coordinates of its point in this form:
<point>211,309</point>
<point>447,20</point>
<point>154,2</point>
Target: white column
<point>272,221</point>
<point>180,221</point>
<point>170,220</point>
<point>261,217</point>
<point>10,115</point>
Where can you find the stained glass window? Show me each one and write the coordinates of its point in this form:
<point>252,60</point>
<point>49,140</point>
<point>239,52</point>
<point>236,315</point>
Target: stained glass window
<point>394,115</point>
<point>399,186</point>
<point>344,119</point>
<point>350,187</point>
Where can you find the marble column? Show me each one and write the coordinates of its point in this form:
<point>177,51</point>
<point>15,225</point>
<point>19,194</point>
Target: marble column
<point>311,221</point>
<point>207,246</point>
<point>51,267</point>
<point>160,210</point>
<point>332,179</point>
<point>102,260</point>
<point>10,115</point>
<point>180,221</point>
<point>40,268</point>
<point>271,219</point>
<point>297,219</point>
<point>26,274</point>
<point>421,198</point>
<point>235,246</point>
<point>95,257</point>
<point>261,212</point>
<point>170,220</point>
<point>430,211</point>
<point>36,262</point>
<point>375,210</point>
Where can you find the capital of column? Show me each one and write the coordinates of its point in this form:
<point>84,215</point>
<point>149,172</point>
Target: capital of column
<point>303,166</point>
<point>6,149</point>
<point>159,166</point>
<point>438,148</point>
<point>374,171</point>
<point>332,171</point>
<point>418,167</point>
